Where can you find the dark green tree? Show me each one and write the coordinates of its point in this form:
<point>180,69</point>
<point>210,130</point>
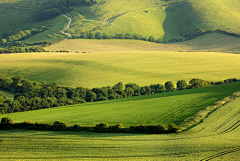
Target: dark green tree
<point>169,86</point>
<point>182,84</point>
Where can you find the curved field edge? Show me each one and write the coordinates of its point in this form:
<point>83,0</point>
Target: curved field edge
<point>169,107</point>
<point>209,140</point>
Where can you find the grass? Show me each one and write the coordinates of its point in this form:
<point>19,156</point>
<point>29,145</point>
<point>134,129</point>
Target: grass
<point>170,107</point>
<point>161,19</point>
<point>20,15</point>
<point>108,68</point>
<point>7,94</point>
<point>210,42</point>
<point>205,141</point>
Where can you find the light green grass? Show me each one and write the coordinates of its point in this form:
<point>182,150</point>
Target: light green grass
<point>7,94</point>
<point>209,42</point>
<point>202,142</point>
<point>108,68</point>
<point>170,107</point>
<point>164,19</point>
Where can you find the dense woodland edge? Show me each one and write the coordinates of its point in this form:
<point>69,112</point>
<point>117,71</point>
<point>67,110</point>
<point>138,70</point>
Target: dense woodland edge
<point>30,95</point>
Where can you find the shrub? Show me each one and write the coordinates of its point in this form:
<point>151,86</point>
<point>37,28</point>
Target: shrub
<point>59,125</point>
<point>172,128</point>
<point>6,123</point>
<point>101,127</point>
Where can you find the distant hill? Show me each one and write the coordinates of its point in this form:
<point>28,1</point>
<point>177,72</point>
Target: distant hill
<point>162,19</point>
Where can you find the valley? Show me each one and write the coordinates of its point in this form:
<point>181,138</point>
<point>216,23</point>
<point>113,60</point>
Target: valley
<point>141,43</point>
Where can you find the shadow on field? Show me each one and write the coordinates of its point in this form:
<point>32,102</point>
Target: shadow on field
<point>58,134</point>
<point>179,22</point>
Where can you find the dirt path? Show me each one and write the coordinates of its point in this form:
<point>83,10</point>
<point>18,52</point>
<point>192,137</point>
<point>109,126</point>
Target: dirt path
<point>69,22</point>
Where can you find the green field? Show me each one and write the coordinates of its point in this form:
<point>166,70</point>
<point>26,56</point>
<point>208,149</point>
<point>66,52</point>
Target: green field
<point>161,19</point>
<point>169,107</point>
<point>210,42</point>
<point>108,68</point>
<point>217,138</point>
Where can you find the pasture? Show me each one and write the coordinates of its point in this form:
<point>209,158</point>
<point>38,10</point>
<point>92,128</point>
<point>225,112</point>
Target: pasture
<point>162,19</point>
<point>210,140</point>
<point>169,107</point>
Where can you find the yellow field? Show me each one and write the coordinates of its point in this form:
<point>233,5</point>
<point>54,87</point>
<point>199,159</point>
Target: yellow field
<point>108,68</point>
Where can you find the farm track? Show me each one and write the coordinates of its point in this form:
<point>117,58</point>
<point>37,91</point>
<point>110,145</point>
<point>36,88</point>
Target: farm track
<point>234,149</point>
<point>228,120</point>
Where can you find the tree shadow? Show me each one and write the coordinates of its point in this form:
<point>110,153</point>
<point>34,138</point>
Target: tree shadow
<point>180,20</point>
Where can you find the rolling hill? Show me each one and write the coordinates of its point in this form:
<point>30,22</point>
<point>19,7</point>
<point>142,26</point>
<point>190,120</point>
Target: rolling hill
<point>162,19</point>
<point>217,138</point>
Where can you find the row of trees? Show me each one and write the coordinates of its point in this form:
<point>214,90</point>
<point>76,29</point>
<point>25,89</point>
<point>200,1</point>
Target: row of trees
<point>56,7</point>
<point>15,49</point>
<point>16,39</point>
<point>227,33</point>
<point>99,35</point>
<point>199,32</point>
<point>31,95</point>
<point>7,123</point>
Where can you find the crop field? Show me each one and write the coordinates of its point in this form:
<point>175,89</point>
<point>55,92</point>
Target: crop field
<point>108,68</point>
<point>217,138</point>
<point>210,42</point>
<point>169,107</point>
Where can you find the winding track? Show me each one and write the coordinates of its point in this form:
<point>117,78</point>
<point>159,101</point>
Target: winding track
<point>69,22</point>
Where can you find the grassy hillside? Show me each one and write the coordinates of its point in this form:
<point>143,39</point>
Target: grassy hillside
<point>161,19</point>
<point>216,140</point>
<point>150,109</point>
<point>210,42</point>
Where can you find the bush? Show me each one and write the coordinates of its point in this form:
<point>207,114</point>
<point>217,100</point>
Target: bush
<point>172,128</point>
<point>101,127</point>
<point>6,123</point>
<point>59,125</point>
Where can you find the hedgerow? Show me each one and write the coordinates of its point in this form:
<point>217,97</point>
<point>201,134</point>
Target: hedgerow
<point>6,123</point>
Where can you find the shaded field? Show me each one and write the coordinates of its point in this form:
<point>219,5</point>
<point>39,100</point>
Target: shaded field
<point>169,107</point>
<point>210,140</point>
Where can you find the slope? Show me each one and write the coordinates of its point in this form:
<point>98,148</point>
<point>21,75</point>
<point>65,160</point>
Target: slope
<point>150,109</point>
<point>217,138</point>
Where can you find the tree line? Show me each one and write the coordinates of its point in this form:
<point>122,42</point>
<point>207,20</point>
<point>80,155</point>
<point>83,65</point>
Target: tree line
<point>31,95</point>
<point>10,40</point>
<point>7,123</point>
<point>56,7</point>
<point>15,49</point>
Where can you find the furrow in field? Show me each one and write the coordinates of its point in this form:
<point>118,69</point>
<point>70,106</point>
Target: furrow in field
<point>227,120</point>
<point>231,128</point>
<point>234,149</point>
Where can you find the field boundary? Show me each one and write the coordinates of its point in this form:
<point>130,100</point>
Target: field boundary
<point>199,116</point>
